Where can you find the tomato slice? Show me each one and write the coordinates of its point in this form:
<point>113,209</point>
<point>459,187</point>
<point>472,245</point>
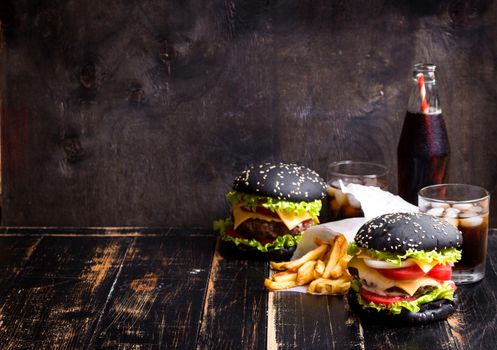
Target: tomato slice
<point>403,273</point>
<point>230,231</point>
<point>383,299</point>
<point>441,272</point>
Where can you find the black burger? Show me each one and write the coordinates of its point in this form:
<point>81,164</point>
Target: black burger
<point>272,205</point>
<point>402,268</point>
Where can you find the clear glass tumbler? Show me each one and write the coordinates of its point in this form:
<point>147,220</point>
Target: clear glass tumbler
<point>465,207</point>
<point>345,205</point>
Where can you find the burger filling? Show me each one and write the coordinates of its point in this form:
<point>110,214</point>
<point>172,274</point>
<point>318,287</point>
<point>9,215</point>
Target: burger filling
<point>227,233</point>
<point>263,230</point>
<point>246,206</point>
<point>386,281</point>
<point>267,223</point>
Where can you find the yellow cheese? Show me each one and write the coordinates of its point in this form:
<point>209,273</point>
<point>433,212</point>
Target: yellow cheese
<point>293,220</point>
<point>290,220</point>
<point>380,283</point>
<point>424,265</point>
<point>411,286</point>
<point>240,215</point>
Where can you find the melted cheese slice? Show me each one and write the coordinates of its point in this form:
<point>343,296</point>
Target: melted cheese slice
<point>293,220</point>
<point>290,220</point>
<point>379,283</point>
<point>424,265</point>
<point>240,215</point>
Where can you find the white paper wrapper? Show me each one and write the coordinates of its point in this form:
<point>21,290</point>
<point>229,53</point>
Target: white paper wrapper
<point>348,227</point>
<point>374,202</point>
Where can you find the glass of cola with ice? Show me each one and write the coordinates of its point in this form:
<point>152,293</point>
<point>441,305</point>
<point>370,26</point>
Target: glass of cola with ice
<point>465,207</point>
<point>345,205</point>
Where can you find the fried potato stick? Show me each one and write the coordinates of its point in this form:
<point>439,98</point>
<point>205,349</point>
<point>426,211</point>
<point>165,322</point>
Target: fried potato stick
<point>305,273</point>
<point>284,276</point>
<point>337,251</point>
<point>312,255</point>
<point>278,266</point>
<point>328,286</point>
<point>273,285</point>
<point>323,269</point>
<point>318,269</point>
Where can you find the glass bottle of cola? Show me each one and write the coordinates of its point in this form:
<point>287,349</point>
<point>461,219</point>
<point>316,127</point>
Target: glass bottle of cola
<point>423,150</point>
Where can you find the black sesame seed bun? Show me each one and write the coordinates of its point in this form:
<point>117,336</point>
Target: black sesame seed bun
<point>400,232</point>
<point>282,181</point>
<point>397,233</point>
<point>430,312</point>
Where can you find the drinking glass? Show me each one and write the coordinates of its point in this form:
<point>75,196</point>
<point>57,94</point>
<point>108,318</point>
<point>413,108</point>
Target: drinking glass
<point>345,205</point>
<point>465,207</point>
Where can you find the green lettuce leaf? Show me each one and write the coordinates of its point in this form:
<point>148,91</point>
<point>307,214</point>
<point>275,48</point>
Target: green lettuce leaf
<point>251,202</point>
<point>280,242</point>
<point>443,292</point>
<point>449,255</point>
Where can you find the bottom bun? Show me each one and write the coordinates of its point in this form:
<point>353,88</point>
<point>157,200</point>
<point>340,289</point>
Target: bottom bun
<point>430,312</point>
<point>241,251</point>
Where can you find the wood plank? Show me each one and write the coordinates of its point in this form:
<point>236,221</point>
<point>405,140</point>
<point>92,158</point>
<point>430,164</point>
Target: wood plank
<point>159,295</point>
<point>302,321</point>
<point>61,292</point>
<point>431,336</point>
<point>235,308</point>
<point>14,254</point>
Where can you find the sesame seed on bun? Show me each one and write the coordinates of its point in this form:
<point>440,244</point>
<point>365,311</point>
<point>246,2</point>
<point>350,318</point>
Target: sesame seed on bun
<point>399,232</point>
<point>402,273</point>
<point>272,205</point>
<point>282,181</point>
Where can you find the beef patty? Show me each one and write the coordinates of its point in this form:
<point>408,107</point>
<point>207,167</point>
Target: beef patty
<point>261,229</point>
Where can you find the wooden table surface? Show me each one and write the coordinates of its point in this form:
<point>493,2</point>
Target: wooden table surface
<point>169,288</point>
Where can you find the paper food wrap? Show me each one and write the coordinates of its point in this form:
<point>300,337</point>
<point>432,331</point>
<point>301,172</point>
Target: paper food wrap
<point>374,202</point>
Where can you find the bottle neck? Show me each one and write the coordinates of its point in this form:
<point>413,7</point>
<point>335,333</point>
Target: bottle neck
<point>424,95</point>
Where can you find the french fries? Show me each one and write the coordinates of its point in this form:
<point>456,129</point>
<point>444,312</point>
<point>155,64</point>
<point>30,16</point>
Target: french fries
<point>338,251</point>
<point>285,276</point>
<point>273,285</point>
<point>323,269</point>
<point>318,269</point>
<point>305,273</point>
<point>312,255</point>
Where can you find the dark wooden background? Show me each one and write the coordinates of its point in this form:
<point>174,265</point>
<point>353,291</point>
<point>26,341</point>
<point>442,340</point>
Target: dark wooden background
<point>141,112</point>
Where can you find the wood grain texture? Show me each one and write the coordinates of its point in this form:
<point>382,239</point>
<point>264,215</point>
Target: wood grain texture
<point>170,289</point>
<point>141,113</point>
<point>301,321</point>
<point>235,305</point>
<point>61,292</point>
<point>158,299</point>
<point>380,337</point>
<point>15,253</point>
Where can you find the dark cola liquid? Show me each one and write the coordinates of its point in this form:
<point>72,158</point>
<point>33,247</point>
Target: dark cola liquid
<point>474,244</point>
<point>422,154</point>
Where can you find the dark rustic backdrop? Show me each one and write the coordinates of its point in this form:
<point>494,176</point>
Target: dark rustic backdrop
<point>126,112</point>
